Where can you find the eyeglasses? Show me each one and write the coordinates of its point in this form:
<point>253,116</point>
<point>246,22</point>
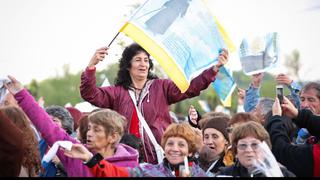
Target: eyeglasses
<point>254,146</point>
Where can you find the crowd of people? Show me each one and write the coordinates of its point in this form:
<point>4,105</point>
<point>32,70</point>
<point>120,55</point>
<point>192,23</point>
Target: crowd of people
<point>132,133</point>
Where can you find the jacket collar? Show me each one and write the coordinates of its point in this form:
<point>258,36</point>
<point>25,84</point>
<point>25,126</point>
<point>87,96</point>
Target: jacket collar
<point>175,168</point>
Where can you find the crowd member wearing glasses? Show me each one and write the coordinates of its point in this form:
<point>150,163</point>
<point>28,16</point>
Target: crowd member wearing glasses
<point>234,122</point>
<point>246,140</point>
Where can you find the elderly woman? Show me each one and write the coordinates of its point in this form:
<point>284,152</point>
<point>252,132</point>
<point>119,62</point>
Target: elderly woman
<point>179,146</point>
<point>105,129</point>
<point>247,140</point>
<point>151,95</point>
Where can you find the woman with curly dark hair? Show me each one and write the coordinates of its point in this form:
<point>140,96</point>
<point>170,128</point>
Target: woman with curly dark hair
<point>137,85</point>
<point>31,157</point>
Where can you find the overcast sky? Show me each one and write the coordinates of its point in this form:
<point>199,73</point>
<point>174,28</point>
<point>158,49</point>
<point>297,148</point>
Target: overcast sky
<point>37,37</point>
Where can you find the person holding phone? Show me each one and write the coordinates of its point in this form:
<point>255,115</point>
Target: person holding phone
<point>252,94</point>
<point>302,160</point>
<point>279,92</point>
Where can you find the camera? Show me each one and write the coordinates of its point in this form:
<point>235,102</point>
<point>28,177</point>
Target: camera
<point>279,91</point>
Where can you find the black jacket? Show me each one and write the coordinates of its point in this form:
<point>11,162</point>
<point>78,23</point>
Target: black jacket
<point>297,158</point>
<point>306,119</point>
<point>237,170</point>
<point>205,165</point>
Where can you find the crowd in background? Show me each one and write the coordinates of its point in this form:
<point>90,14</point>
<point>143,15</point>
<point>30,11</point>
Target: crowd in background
<point>133,133</point>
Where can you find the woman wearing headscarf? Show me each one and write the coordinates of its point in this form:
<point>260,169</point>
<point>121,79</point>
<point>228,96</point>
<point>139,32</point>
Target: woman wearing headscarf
<point>216,142</point>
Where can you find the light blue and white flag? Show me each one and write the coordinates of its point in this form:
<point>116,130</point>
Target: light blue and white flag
<point>224,85</point>
<point>182,35</point>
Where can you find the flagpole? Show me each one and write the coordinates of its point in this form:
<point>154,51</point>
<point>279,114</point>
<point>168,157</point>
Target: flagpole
<point>113,39</point>
<point>128,21</point>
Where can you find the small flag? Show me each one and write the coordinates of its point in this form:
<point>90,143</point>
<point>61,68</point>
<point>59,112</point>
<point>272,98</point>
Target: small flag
<point>224,86</point>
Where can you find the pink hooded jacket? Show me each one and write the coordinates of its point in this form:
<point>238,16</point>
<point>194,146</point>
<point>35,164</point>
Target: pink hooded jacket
<point>125,156</point>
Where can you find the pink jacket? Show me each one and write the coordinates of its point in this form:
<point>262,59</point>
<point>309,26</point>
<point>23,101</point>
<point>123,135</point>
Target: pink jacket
<point>124,156</point>
<point>156,97</point>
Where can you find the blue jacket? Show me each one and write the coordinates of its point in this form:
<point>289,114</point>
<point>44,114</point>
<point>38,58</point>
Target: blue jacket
<point>253,95</point>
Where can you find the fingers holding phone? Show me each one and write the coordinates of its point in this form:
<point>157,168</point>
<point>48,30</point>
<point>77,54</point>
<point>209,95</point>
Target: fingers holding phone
<point>279,92</point>
<point>289,109</point>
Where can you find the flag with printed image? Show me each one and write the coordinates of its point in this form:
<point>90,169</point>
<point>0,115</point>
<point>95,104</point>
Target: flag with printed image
<point>224,85</point>
<point>182,35</point>
<point>259,53</point>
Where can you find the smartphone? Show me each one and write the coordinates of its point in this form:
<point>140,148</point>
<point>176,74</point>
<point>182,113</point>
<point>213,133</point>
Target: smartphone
<point>279,91</point>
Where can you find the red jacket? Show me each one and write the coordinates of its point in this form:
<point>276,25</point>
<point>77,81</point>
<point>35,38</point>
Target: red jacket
<point>102,168</point>
<point>156,97</point>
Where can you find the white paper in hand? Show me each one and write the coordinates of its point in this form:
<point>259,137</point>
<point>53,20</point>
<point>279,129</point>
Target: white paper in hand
<point>53,150</point>
<point>3,91</point>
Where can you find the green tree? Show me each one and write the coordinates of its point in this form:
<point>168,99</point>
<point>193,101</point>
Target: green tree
<point>109,72</point>
<point>33,87</point>
<point>60,90</point>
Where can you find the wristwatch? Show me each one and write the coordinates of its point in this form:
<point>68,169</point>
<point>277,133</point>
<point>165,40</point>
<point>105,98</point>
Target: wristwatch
<point>94,160</point>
